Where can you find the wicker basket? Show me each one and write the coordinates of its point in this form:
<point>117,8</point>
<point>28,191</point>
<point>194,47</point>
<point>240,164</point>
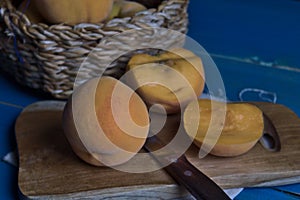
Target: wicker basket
<point>48,57</point>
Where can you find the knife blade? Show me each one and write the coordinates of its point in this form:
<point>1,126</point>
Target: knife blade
<point>183,172</point>
<point>270,139</point>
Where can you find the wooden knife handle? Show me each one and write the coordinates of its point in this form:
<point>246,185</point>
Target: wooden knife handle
<point>197,183</point>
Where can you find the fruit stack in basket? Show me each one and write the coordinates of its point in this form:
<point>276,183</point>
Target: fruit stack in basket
<point>43,43</point>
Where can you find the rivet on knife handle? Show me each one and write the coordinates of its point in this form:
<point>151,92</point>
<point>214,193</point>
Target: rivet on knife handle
<point>197,183</point>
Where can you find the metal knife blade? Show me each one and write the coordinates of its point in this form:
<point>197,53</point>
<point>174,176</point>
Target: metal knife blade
<point>270,139</point>
<point>183,172</point>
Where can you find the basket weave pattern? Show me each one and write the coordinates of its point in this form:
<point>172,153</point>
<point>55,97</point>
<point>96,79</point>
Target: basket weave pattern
<point>47,57</point>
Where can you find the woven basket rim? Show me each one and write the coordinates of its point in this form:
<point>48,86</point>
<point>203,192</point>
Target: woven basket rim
<point>6,5</point>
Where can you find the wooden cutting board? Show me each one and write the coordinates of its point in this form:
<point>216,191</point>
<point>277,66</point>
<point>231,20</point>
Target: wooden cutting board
<point>49,169</point>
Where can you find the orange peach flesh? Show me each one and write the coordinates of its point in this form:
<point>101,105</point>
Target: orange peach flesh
<point>241,130</point>
<point>170,88</point>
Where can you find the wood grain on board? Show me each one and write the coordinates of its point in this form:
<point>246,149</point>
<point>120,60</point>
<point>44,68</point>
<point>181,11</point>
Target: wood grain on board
<point>48,168</point>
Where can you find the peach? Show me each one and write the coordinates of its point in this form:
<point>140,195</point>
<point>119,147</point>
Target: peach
<point>115,11</point>
<point>73,11</point>
<point>171,79</point>
<point>241,130</point>
<point>129,8</point>
<point>105,122</point>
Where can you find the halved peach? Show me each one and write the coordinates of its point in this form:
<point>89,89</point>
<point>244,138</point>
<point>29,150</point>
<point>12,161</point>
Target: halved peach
<point>238,133</point>
<point>171,79</point>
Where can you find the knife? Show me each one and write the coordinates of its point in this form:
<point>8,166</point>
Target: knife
<point>183,172</point>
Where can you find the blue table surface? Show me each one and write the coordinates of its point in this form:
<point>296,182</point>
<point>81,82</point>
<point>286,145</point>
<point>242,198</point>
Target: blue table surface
<point>254,43</point>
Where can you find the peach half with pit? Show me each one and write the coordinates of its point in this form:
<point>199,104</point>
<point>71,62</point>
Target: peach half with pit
<point>171,79</point>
